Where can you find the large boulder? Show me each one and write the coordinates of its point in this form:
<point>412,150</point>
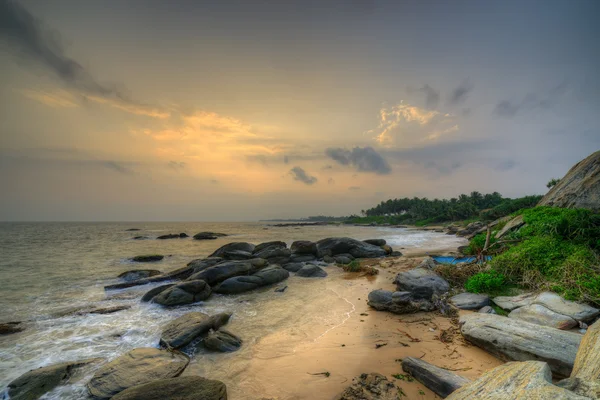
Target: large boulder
<point>440,381</point>
<point>293,267</point>
<point>423,283</point>
<point>579,188</point>
<point>517,340</point>
<point>148,258</point>
<point>137,367</point>
<point>223,341</point>
<point>357,248</point>
<point>183,293</point>
<point>371,386</point>
<point>398,302</point>
<point>376,242</point>
<point>33,384</point>
<point>304,247</point>
<point>577,311</point>
<point>470,301</point>
<point>515,381</point>
<point>243,246</point>
<point>239,284</point>
<point>311,271</point>
<point>540,315</point>
<point>237,255</point>
<point>274,243</point>
<point>228,269</point>
<point>272,252</point>
<point>135,274</point>
<point>208,235</point>
<point>509,303</point>
<point>183,330</point>
<point>181,388</point>
<point>149,295</point>
<point>203,263</point>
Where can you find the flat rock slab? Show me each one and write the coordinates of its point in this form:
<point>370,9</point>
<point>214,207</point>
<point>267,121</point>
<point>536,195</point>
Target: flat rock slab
<point>577,311</point>
<point>470,301</point>
<point>183,330</point>
<point>511,339</point>
<point>371,387</point>
<point>509,303</point>
<point>540,315</point>
<point>181,388</point>
<point>223,341</point>
<point>436,379</point>
<point>137,367</point>
<point>531,380</point>
<point>422,283</point>
<point>183,293</point>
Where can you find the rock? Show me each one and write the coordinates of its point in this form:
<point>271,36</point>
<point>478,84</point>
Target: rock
<point>304,247</point>
<point>388,249</point>
<point>222,341</point>
<point>271,252</point>
<point>577,311</point>
<point>183,330</point>
<point>237,255</point>
<point>281,289</point>
<point>540,315</point>
<point>153,292</point>
<point>140,237</point>
<point>515,381</point>
<point>579,188</point>
<point>422,283</point>
<point>585,378</point>
<point>329,259</point>
<point>148,258</point>
<point>436,379</point>
<point>299,257</point>
<point>395,254</point>
<point>343,259</point>
<point>136,274</point>
<point>358,249</point>
<point>293,267</point>
<point>470,301</point>
<point>33,384</point>
<point>228,269</point>
<point>132,229</point>
<point>203,263</point>
<point>311,271</point>
<point>510,226</point>
<point>181,388</point>
<point>370,387</point>
<point>376,242</point>
<point>487,310</point>
<point>137,367</point>
<point>471,229</point>
<point>517,340</point>
<point>10,328</point>
<point>398,302</point>
<point>509,303</point>
<point>104,310</point>
<point>208,235</point>
<point>239,284</point>
<point>183,293</point>
<point>173,236</point>
<point>274,244</point>
<point>428,262</point>
<point>243,246</point>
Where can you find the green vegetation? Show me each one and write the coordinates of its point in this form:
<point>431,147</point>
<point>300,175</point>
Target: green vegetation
<point>509,206</point>
<point>552,182</point>
<point>404,377</point>
<point>490,282</point>
<point>354,266</point>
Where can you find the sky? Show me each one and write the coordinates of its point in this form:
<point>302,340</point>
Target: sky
<point>152,110</point>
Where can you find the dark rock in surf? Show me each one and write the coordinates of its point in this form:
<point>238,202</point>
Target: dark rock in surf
<point>299,257</point>
<point>311,271</point>
<point>136,274</point>
<point>132,229</point>
<point>173,236</point>
<point>239,284</point>
<point>228,269</point>
<point>183,330</point>
<point>237,255</point>
<point>183,293</point>
<point>273,252</point>
<point>140,237</point>
<point>223,341</point>
<point>376,242</point>
<point>243,246</point>
<point>9,328</point>
<point>304,247</point>
<point>274,244</point>
<point>148,258</point>
<point>181,388</point>
<point>203,263</point>
<point>293,267</point>
<point>357,248</point>
<point>208,235</point>
<point>153,292</point>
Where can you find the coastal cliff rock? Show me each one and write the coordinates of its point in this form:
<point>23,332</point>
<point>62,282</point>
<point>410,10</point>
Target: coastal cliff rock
<point>440,381</point>
<point>579,188</point>
<point>137,367</point>
<point>228,269</point>
<point>398,302</point>
<point>223,341</point>
<point>181,388</point>
<point>422,283</point>
<point>136,274</point>
<point>239,284</point>
<point>358,249</point>
<point>183,293</point>
<point>370,387</point>
<point>243,246</point>
<point>183,330</point>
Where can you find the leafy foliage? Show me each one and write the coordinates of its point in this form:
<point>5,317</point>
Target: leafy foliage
<point>486,282</point>
<point>509,206</point>
<point>552,182</point>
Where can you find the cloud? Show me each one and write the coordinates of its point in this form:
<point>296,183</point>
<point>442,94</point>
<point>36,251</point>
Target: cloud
<point>177,165</point>
<point>432,96</point>
<point>460,94</point>
<point>214,181</point>
<point>505,165</point>
<point>363,159</point>
<point>531,101</point>
<point>286,160</point>
<point>354,188</point>
<point>114,166</point>
<point>59,99</point>
<point>300,175</point>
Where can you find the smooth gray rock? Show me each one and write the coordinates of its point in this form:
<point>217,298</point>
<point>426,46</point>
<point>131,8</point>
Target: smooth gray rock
<point>577,311</point>
<point>222,341</point>
<point>239,284</point>
<point>237,255</point>
<point>428,262</point>
<point>398,302</point>
<point>243,246</point>
<point>487,310</point>
<point>228,269</point>
<point>343,260</point>
<point>517,340</point>
<point>311,271</point>
<point>203,263</point>
<point>304,247</point>
<point>136,274</point>
<point>509,303</point>
<point>422,283</point>
<point>540,315</point>
<point>183,293</point>
<point>300,257</point>
<point>154,292</point>
<point>376,242</point>
<point>470,301</point>
<point>181,388</point>
<point>357,248</point>
<point>273,252</point>
<point>183,330</point>
<point>137,367</point>
<point>440,381</point>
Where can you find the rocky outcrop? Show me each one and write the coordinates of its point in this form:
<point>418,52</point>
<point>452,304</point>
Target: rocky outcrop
<point>183,330</point>
<point>304,247</point>
<point>540,315</point>
<point>208,235</point>
<point>223,341</point>
<point>173,236</point>
<point>470,301</point>
<point>228,269</point>
<point>510,226</point>
<point>422,283</point>
<point>181,388</point>
<point>517,340</point>
<point>149,295</point>
<point>370,387</point>
<point>137,367</point>
<point>398,302</point>
<point>311,271</point>
<point>273,252</point>
<point>183,293</point>
<point>515,381</point>
<point>440,381</point>
<point>239,284</point>
<point>579,188</point>
<point>358,249</point>
<point>472,229</point>
<point>203,263</point>
<point>135,274</point>
<point>33,384</point>
<point>509,303</point>
<point>148,258</point>
<point>242,246</point>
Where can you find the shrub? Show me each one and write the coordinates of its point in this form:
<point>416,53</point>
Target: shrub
<point>486,282</point>
<point>509,206</point>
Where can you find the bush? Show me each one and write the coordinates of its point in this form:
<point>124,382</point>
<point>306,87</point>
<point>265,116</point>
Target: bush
<point>509,206</point>
<point>486,282</point>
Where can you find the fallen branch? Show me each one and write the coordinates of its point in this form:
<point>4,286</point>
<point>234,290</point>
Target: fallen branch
<point>412,339</point>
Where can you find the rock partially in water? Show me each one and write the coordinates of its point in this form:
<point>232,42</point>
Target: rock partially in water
<point>517,340</point>
<point>540,315</point>
<point>183,330</point>
<point>304,247</point>
<point>273,252</point>
<point>577,311</point>
<point>137,367</point>
<point>228,269</point>
<point>311,271</point>
<point>371,386</point>
<point>299,257</point>
<point>243,246</point>
<point>208,235</point>
<point>33,384</point>
<point>181,388</point>
<point>470,301</point>
<point>398,302</point>
<point>10,328</point>
<point>514,381</point>
<point>422,283</point>
<point>173,236</point>
<point>376,242</point>
<point>153,292</point>
<point>239,284</point>
<point>509,303</point>
<point>135,274</point>
<point>223,341</point>
<point>203,263</point>
<point>388,249</point>
<point>148,258</point>
<point>357,248</point>
<point>440,381</point>
<point>183,293</point>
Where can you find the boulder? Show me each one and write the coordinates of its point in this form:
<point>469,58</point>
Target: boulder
<point>540,315</point>
<point>398,302</point>
<point>222,341</point>
<point>509,303</point>
<point>515,381</point>
<point>517,340</point>
<point>423,283</point>
<point>304,247</point>
<point>440,381</point>
<point>203,263</point>
<point>388,249</point>
<point>510,226</point>
<point>470,301</point>
<point>153,292</point>
<point>148,258</point>
<point>311,271</point>
<point>183,293</point>
<point>11,327</point>
<point>228,269</point>
<point>33,384</point>
<point>181,388</point>
<point>299,257</point>
<point>342,259</point>
<point>428,262</point>
<point>357,248</point>
<point>376,242</point>
<point>293,267</point>
<point>208,235</point>
<point>183,330</point>
<point>487,310</point>
<point>271,252</point>
<point>577,311</point>
<point>274,244</point>
<point>243,246</point>
<point>136,274</point>
<point>472,229</point>
<point>237,255</point>
<point>579,188</point>
<point>329,259</point>
<point>137,367</point>
<point>371,387</point>
<point>239,284</point>
<point>173,236</point>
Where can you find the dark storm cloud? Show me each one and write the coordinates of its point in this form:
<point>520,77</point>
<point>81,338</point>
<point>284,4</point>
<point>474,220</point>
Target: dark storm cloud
<point>300,175</point>
<point>363,159</point>
<point>531,101</point>
<point>432,96</point>
<point>460,94</point>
